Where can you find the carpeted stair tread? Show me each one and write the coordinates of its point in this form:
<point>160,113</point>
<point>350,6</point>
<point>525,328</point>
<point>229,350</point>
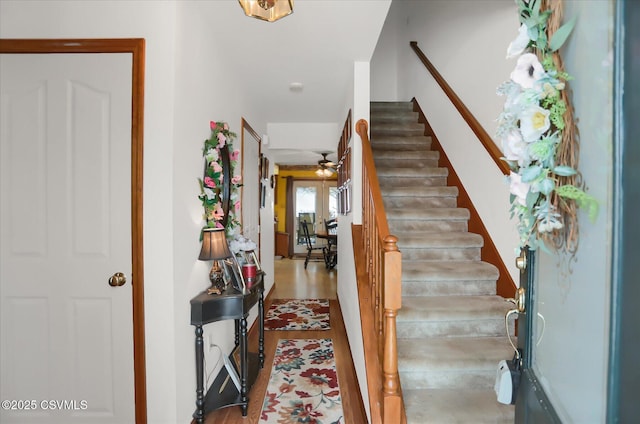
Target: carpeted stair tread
<point>393,172</point>
<point>391,156</point>
<point>393,116</point>
<point>452,308</point>
<point>460,214</point>
<point>455,406</point>
<point>433,240</point>
<point>453,353</point>
<point>452,362</point>
<point>448,271</point>
<point>426,225</point>
<point>446,191</point>
<point>377,106</point>
<point>397,142</point>
<point>401,128</point>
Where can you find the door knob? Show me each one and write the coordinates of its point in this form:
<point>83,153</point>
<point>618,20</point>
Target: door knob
<point>118,279</point>
<point>521,261</point>
<point>518,300</point>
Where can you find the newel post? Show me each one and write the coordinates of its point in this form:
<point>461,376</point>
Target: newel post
<point>392,302</point>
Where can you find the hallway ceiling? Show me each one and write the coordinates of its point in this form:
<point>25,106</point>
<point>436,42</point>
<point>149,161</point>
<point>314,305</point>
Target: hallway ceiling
<point>315,46</point>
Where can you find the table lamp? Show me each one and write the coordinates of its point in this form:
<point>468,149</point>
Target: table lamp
<point>215,247</point>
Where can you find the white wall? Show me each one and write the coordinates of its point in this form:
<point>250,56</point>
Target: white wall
<point>155,22</point>
<point>347,290</point>
<point>320,135</point>
<point>199,99</point>
<point>466,41</point>
<point>385,62</point>
<point>571,358</point>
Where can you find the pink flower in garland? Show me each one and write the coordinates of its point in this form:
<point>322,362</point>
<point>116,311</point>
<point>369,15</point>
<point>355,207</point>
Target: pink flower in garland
<point>209,182</point>
<point>221,139</point>
<point>236,179</point>
<point>237,206</point>
<point>218,213</point>
<point>211,195</point>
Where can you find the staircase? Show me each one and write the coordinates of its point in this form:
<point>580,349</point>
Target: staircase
<point>451,332</point>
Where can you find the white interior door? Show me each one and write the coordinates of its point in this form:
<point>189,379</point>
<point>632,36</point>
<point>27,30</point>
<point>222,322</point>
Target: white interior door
<point>66,334</point>
<point>314,201</point>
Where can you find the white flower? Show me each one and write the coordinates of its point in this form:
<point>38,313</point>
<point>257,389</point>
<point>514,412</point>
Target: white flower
<point>518,188</point>
<point>528,71</point>
<point>515,149</point>
<point>521,42</point>
<point>534,122</point>
<point>212,155</point>
<point>240,243</point>
<point>548,225</point>
<point>209,193</point>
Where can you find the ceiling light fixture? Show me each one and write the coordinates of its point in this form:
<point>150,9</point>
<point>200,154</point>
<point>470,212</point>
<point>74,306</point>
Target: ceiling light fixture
<point>326,168</point>
<point>324,172</point>
<point>267,10</point>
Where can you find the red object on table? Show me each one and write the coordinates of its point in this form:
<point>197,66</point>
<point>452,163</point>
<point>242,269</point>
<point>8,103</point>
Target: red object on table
<point>249,271</point>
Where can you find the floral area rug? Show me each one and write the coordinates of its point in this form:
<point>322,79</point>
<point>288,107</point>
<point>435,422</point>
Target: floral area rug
<point>298,314</point>
<point>303,387</point>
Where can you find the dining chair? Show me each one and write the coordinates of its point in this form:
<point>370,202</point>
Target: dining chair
<point>331,250</point>
<point>310,246</point>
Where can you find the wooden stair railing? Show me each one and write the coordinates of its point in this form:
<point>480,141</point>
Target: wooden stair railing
<point>379,272</point>
<point>505,285</point>
<point>471,120</point>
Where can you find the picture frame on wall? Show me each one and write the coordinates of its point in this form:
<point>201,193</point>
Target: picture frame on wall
<point>264,167</point>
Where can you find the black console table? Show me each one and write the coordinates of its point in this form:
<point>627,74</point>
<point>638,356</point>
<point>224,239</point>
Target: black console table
<point>231,304</point>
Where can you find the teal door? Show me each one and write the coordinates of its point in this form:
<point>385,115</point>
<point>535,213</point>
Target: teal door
<point>579,331</point>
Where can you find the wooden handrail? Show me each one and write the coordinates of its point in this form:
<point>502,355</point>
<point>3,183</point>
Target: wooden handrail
<point>471,120</point>
<point>380,285</point>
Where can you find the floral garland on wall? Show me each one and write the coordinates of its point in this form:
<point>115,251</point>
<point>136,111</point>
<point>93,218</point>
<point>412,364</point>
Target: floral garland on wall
<point>538,133</point>
<point>212,182</point>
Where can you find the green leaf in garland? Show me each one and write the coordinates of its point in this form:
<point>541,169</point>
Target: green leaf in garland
<point>561,35</point>
<point>531,200</point>
<point>582,199</point>
<point>564,171</point>
<point>546,186</point>
<point>557,114</point>
<point>531,173</point>
<point>535,7</point>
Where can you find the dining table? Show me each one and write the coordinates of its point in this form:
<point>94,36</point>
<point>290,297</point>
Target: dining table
<point>330,252</point>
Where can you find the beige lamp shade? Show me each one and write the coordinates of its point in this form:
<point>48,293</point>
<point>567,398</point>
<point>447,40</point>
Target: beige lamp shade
<point>214,245</point>
<point>267,10</point>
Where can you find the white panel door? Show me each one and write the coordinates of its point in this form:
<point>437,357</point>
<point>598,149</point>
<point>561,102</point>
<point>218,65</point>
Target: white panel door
<point>66,334</point>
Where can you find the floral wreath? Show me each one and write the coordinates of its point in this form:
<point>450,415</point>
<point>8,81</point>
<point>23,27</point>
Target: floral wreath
<point>212,183</point>
<point>538,134</point>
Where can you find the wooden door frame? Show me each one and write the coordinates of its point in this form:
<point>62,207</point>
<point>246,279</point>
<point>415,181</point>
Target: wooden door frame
<point>290,228</point>
<point>135,46</point>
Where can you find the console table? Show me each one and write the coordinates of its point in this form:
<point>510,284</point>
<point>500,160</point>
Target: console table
<point>231,304</point>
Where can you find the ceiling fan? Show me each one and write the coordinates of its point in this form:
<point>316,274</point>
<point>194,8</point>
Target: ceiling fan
<point>326,168</point>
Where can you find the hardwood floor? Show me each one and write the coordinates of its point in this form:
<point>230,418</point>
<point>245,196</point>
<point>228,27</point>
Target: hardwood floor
<point>293,281</point>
